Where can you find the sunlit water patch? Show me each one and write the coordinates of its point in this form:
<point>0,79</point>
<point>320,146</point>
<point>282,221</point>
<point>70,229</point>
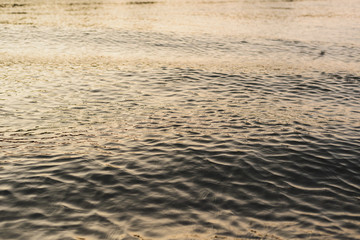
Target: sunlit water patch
<point>134,128</point>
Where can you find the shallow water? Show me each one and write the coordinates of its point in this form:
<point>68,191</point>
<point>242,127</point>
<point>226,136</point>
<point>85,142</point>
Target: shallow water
<point>179,119</point>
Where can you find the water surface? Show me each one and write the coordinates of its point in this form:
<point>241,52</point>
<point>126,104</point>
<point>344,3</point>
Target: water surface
<point>179,119</point>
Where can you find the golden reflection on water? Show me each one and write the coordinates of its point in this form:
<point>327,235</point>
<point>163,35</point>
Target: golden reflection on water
<point>231,66</point>
<point>320,22</point>
<point>93,77</point>
<point>289,19</point>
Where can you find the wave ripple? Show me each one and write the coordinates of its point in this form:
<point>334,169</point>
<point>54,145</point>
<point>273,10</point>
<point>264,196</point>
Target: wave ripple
<point>121,155</point>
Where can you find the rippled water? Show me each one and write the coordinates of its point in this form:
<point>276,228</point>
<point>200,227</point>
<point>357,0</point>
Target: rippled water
<point>179,119</point>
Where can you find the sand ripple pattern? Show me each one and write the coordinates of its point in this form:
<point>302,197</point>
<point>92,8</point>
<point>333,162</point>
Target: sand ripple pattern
<point>152,153</point>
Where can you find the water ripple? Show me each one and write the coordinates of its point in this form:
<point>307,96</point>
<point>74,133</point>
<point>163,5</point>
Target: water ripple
<point>113,128</point>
